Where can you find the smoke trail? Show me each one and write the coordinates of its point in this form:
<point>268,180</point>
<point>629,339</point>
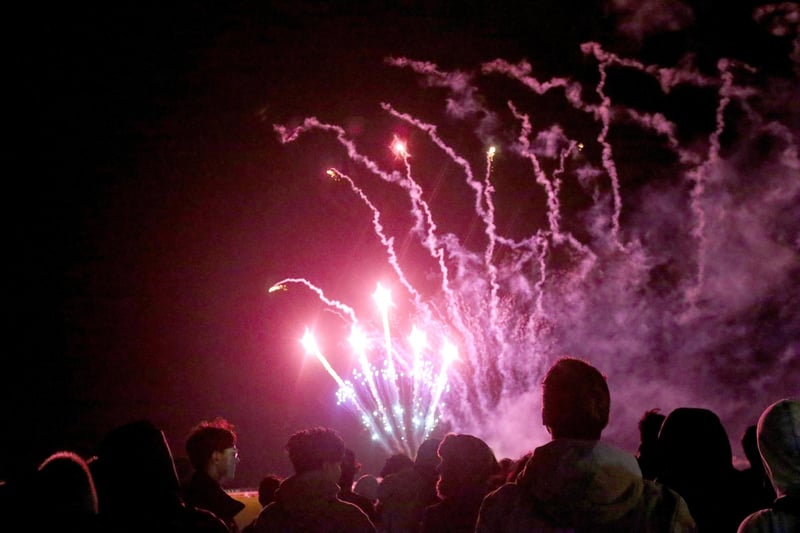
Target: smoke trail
<point>668,253</point>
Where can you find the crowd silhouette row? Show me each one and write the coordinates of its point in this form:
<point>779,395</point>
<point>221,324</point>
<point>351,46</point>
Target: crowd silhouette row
<point>681,479</point>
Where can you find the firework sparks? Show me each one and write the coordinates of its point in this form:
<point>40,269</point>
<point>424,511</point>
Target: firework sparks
<point>504,307</point>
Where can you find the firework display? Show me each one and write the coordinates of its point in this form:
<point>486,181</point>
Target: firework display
<point>634,276</point>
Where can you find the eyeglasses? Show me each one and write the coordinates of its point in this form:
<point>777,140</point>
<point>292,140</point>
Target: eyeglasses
<point>235,453</point>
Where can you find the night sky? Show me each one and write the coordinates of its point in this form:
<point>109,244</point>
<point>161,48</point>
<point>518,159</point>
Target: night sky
<point>150,205</point>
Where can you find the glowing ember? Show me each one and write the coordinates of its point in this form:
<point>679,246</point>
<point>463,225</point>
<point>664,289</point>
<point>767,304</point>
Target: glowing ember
<point>399,148</point>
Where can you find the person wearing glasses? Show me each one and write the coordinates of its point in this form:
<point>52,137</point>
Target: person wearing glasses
<point>211,449</point>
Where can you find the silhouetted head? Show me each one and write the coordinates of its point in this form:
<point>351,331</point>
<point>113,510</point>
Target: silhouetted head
<point>134,468</point>
<point>315,448</point>
<point>778,435</point>
<point>367,486</point>
<point>650,425</point>
<point>466,461</point>
<point>750,447</point>
<point>575,400</point>
<point>427,453</point>
<point>266,489</point>
<point>693,443</point>
<point>518,467</point>
<point>211,448</point>
<point>395,463</point>
<point>65,489</point>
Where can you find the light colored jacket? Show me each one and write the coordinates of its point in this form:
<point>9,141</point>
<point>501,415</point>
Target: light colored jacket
<point>779,444</point>
<point>573,485</point>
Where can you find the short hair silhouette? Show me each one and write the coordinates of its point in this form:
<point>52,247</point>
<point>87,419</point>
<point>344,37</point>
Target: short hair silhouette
<point>650,424</point>
<point>208,437</point>
<point>395,463</point>
<point>469,462</point>
<point>367,486</point>
<point>749,443</point>
<point>647,454</point>
<point>428,452</point>
<point>575,400</point>
<point>266,489</point>
<point>310,448</point>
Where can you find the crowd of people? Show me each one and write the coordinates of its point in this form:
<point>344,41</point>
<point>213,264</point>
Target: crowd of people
<point>681,479</point>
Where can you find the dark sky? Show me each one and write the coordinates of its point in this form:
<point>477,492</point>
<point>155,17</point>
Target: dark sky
<point>150,204</point>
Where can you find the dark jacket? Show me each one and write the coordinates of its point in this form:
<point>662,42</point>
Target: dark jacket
<point>364,503</point>
<point>454,514</point>
<point>307,503</point>
<point>205,493</point>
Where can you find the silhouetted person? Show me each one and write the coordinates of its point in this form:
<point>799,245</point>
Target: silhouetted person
<point>576,482</point>
<point>697,463</point>
<point>518,467</point>
<point>138,488</point>
<point>350,468</point>
<point>404,495</point>
<point>466,470</point>
<point>307,502</point>
<point>266,495</point>
<point>266,489</point>
<point>367,486</point>
<point>647,455</point>
<point>506,465</point>
<point>211,448</point>
<point>63,495</point>
<point>395,463</point>
<point>778,435</point>
<point>755,476</point>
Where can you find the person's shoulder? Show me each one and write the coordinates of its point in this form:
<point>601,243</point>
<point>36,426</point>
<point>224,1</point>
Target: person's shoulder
<point>269,518</point>
<point>497,508</point>
<point>665,506</point>
<point>502,499</point>
<point>758,522</point>
<point>270,509</point>
<point>362,502</point>
<point>202,521</point>
<point>355,518</point>
<point>506,490</point>
<point>769,520</point>
<point>655,493</point>
<point>349,507</point>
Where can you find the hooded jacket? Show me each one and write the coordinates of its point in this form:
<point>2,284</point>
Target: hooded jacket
<point>779,444</point>
<point>574,485</point>
<point>307,503</point>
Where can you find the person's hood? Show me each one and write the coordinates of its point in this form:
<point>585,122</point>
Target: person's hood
<point>299,493</point>
<point>779,445</point>
<point>581,482</point>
